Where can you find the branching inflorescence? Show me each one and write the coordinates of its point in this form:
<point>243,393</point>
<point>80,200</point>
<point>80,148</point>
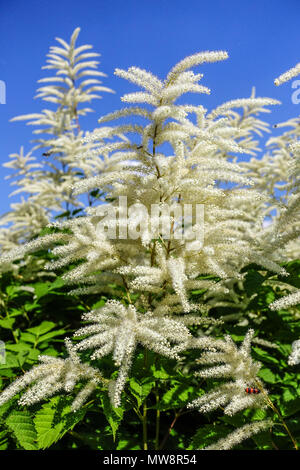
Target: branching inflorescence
<point>135,241</point>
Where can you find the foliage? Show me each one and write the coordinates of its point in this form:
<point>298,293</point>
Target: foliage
<point>36,316</point>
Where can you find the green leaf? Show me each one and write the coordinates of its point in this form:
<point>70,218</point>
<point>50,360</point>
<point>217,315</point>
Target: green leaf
<point>177,396</point>
<point>7,323</point>
<point>54,419</point>
<point>76,211</point>
<point>7,372</point>
<point>14,312</point>
<point>5,407</point>
<point>270,297</point>
<point>4,441</point>
<point>98,304</point>
<point>18,347</point>
<point>12,290</point>
<point>290,401</point>
<point>160,373</point>
<point>30,306</point>
<point>41,329</point>
<point>265,356</point>
<point>253,281</point>
<point>28,337</point>
<point>268,376</point>
<point>140,390</point>
<point>22,425</point>
<point>41,289</point>
<point>41,333</point>
<point>63,214</point>
<point>263,440</point>
<point>207,435</point>
<point>128,444</point>
<point>13,360</point>
<point>58,283</point>
<point>98,439</point>
<point>50,335</point>
<point>114,416</point>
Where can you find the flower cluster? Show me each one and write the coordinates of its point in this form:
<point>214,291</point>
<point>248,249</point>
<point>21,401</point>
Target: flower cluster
<point>47,185</point>
<point>240,434</point>
<point>294,357</point>
<point>117,329</point>
<point>234,364</point>
<point>52,376</point>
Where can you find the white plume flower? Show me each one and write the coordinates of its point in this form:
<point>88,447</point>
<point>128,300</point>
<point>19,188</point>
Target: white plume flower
<point>240,434</point>
<point>234,364</point>
<point>52,376</point>
<point>47,185</point>
<point>294,357</point>
<point>118,329</point>
<point>286,76</point>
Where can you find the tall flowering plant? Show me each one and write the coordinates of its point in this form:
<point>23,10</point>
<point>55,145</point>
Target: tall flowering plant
<point>170,244</point>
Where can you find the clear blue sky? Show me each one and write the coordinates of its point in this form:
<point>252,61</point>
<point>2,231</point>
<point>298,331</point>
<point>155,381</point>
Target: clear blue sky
<point>262,38</point>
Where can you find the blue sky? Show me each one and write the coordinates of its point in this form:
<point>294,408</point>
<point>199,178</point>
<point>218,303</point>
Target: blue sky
<point>262,38</point>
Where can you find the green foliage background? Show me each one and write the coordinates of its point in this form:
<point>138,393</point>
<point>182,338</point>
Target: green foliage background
<point>36,313</point>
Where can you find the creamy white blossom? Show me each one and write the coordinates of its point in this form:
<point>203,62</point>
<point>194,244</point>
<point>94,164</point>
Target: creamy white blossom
<point>294,357</point>
<point>286,76</point>
<point>52,376</point>
<point>118,330</point>
<point>234,364</point>
<point>240,434</point>
<point>46,183</point>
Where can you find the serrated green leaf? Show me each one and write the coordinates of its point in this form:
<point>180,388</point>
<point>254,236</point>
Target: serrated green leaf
<point>4,408</point>
<point>140,389</point>
<point>268,376</point>
<point>15,312</point>
<point>98,304</point>
<point>41,329</point>
<point>28,337</point>
<point>7,323</point>
<point>22,425</point>
<point>208,435</point>
<point>177,396</point>
<point>18,347</point>
<point>31,306</point>
<point>11,360</point>
<point>114,416</point>
<point>48,336</point>
<point>290,406</point>
<point>12,290</point>
<point>160,373</point>
<point>265,356</point>
<point>54,419</point>
<point>41,289</point>
<point>4,441</point>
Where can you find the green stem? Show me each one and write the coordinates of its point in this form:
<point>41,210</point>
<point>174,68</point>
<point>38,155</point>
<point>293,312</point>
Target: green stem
<point>273,407</point>
<point>177,415</point>
<point>157,421</point>
<point>145,437</point>
<point>145,433</point>
<point>8,316</point>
